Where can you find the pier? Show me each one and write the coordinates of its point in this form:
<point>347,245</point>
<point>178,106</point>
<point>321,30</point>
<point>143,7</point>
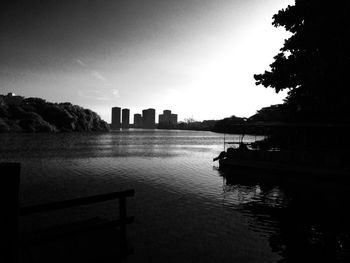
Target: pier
<point>16,246</point>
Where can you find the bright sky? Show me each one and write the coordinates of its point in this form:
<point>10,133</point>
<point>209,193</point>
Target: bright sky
<point>194,57</point>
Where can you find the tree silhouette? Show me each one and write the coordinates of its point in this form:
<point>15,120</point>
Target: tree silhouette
<point>314,63</point>
<point>38,115</point>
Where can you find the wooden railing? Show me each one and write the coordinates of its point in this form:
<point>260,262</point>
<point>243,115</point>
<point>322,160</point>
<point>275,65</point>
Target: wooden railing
<point>11,173</point>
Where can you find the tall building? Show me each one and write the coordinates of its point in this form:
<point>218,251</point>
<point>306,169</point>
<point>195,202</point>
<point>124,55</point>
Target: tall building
<point>137,120</point>
<point>149,119</point>
<point>167,112</point>
<point>125,118</point>
<point>115,118</point>
<point>173,119</point>
<point>167,118</point>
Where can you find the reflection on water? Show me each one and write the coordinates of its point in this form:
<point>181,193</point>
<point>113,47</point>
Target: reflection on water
<point>185,209</point>
<point>304,221</point>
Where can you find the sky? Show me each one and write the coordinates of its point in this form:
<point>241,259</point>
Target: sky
<point>194,57</point>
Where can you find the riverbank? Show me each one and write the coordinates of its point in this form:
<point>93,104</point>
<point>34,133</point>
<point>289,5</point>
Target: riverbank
<point>20,114</point>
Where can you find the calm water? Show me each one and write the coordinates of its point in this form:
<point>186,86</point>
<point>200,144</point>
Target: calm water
<point>186,210</point>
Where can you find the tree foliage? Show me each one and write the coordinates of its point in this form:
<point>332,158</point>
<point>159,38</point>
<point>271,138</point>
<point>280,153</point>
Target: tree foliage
<point>18,114</point>
<point>314,62</point>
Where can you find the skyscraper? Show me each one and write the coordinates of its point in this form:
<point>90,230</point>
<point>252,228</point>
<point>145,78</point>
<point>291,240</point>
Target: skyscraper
<point>125,118</point>
<point>137,120</point>
<point>173,119</point>
<point>167,118</point>
<point>149,118</point>
<point>116,118</point>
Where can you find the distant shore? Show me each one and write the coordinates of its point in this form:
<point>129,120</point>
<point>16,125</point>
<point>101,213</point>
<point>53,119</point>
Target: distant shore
<point>20,114</point>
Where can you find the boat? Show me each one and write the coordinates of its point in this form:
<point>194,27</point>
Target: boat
<point>242,155</point>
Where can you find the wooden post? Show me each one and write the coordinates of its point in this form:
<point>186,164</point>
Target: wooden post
<point>122,217</point>
<point>9,205</point>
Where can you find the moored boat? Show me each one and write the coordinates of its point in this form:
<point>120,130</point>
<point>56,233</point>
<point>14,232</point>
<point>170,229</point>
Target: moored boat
<point>296,162</point>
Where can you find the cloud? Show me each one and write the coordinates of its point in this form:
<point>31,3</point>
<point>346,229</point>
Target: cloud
<point>100,95</point>
<point>92,71</point>
<point>98,76</point>
<point>80,62</point>
<point>115,93</point>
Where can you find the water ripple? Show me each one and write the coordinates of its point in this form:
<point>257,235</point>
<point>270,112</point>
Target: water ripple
<point>184,207</point>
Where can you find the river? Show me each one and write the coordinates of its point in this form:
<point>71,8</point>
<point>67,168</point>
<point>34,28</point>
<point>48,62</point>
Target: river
<point>186,210</point>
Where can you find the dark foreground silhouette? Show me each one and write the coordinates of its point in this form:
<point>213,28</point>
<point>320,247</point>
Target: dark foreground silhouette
<point>93,240</point>
<point>309,219</point>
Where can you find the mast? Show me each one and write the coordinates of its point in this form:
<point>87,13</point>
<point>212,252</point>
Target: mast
<point>224,143</point>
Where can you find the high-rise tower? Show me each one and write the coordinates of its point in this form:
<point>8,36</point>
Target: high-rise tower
<point>137,120</point>
<point>149,118</point>
<point>167,118</point>
<point>125,118</point>
<point>116,118</point>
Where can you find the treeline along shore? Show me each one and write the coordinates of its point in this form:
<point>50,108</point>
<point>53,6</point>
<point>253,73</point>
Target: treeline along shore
<point>20,114</point>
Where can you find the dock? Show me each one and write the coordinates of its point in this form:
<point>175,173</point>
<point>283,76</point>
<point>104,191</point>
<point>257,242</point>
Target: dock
<point>92,240</point>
